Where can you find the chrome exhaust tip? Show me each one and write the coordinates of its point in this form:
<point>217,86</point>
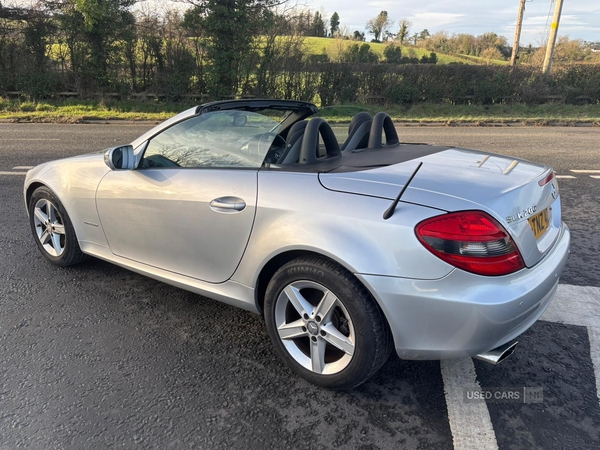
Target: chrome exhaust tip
<point>499,354</point>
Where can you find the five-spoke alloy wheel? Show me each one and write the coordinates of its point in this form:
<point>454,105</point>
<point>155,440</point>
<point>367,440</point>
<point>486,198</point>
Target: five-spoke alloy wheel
<point>52,229</point>
<point>320,338</point>
<point>325,324</point>
<point>49,227</point>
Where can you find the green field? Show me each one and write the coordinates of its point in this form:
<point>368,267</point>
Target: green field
<point>332,47</point>
<point>446,113</point>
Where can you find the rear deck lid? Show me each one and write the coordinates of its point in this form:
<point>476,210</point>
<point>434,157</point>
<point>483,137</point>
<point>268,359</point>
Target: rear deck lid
<point>458,179</point>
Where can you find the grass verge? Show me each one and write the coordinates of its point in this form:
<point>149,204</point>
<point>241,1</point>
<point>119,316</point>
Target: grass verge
<point>77,111</point>
<point>440,112</point>
<point>74,111</point>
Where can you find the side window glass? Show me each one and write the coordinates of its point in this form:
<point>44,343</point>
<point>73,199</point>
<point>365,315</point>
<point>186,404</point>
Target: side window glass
<point>218,139</point>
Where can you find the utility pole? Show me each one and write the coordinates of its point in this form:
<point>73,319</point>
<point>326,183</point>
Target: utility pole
<point>552,37</point>
<point>515,52</point>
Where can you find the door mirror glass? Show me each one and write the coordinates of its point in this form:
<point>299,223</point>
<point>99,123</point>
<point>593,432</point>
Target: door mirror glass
<point>120,158</point>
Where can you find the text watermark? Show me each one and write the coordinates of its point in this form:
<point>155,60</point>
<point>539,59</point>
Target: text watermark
<point>526,394</point>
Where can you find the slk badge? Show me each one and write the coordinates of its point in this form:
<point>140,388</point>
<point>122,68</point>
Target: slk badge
<point>522,214</point>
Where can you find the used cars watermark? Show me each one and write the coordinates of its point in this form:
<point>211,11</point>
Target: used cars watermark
<point>525,394</point>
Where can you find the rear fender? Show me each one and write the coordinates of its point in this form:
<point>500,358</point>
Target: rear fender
<point>347,228</point>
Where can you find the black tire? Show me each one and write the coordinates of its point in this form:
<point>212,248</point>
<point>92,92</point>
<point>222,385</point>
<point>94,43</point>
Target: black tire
<point>373,341</point>
<point>71,253</point>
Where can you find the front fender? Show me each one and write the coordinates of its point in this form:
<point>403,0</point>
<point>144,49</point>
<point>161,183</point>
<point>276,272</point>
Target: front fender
<point>74,182</point>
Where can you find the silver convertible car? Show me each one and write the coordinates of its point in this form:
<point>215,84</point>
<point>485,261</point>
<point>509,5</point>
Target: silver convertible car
<point>348,249</point>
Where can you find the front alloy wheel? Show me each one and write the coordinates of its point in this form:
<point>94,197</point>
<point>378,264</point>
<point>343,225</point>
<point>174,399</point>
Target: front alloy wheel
<point>324,323</point>
<point>49,227</point>
<point>52,229</point>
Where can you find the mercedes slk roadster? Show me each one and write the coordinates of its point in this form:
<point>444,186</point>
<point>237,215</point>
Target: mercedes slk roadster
<point>349,245</point>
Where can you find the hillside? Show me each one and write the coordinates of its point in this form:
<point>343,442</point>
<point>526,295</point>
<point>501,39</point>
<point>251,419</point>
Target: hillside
<point>332,47</point>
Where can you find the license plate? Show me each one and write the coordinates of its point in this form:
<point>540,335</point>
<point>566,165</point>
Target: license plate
<point>540,223</point>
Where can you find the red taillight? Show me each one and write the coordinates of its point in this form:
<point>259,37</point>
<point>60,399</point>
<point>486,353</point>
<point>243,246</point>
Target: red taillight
<point>544,181</point>
<point>471,240</point>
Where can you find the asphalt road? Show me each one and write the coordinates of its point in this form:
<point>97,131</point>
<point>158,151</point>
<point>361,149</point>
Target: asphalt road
<point>96,356</point>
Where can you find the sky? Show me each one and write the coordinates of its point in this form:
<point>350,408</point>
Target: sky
<point>580,19</point>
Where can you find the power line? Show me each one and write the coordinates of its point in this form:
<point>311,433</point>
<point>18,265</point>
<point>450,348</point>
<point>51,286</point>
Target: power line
<point>545,33</point>
<point>552,37</point>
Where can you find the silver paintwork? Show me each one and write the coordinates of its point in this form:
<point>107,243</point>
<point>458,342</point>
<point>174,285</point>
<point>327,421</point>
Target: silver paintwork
<point>164,218</point>
<point>456,180</point>
<point>49,227</point>
<point>465,314</point>
<point>313,335</point>
<point>160,222</point>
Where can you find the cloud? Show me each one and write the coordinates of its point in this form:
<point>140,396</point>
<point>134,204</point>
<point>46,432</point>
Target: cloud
<point>435,19</point>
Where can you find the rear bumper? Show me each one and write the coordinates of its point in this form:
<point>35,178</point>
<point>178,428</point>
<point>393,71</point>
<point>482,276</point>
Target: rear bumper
<point>464,314</point>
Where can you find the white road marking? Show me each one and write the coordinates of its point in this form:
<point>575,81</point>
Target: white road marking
<point>597,177</point>
<point>575,305</point>
<point>565,176</point>
<point>579,305</point>
<point>22,167</point>
<point>13,173</point>
<point>585,171</point>
<point>470,423</point>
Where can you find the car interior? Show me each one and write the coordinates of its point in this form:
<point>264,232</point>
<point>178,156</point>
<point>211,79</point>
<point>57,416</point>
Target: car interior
<point>292,143</point>
<point>308,142</point>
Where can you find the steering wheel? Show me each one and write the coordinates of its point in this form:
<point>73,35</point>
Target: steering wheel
<point>276,150</point>
<point>276,145</point>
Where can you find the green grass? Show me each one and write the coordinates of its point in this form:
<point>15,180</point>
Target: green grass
<point>73,111</point>
<point>480,60</point>
<point>330,47</point>
<point>82,110</point>
<point>432,112</point>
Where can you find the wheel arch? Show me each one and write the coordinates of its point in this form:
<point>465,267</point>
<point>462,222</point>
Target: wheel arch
<point>269,269</point>
<point>273,264</point>
<point>31,189</point>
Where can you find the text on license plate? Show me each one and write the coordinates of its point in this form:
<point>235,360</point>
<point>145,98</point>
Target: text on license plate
<point>539,223</point>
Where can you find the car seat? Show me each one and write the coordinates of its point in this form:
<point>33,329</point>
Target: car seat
<point>293,143</point>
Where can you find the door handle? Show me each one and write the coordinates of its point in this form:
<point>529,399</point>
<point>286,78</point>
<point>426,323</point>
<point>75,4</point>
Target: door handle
<point>228,204</point>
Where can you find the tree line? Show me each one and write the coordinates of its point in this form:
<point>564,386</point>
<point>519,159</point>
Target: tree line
<point>221,48</point>
<point>218,47</point>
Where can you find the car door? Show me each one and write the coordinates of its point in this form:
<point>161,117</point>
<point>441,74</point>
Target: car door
<point>190,204</point>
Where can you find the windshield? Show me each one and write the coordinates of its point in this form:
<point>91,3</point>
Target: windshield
<point>228,138</point>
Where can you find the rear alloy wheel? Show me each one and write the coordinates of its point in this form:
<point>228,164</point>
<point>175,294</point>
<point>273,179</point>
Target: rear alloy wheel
<point>325,324</point>
<point>52,229</point>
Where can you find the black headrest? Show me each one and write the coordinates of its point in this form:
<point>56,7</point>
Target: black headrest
<point>310,142</point>
<point>357,120</point>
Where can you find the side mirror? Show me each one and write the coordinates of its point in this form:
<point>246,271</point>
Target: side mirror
<point>120,158</point>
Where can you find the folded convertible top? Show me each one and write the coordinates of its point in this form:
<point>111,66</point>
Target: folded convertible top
<point>363,159</point>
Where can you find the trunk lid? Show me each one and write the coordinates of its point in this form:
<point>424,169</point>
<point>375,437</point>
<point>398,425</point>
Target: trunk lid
<point>459,179</point>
